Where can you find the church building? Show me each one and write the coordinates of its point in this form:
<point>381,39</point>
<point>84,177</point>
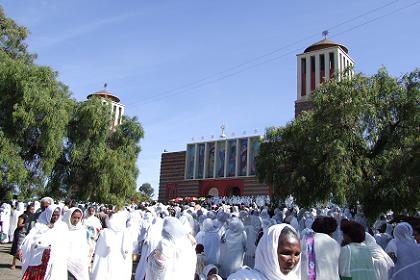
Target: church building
<point>227,166</point>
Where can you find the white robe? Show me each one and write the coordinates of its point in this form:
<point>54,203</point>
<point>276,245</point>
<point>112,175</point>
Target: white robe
<point>113,251</point>
<point>14,219</point>
<point>247,274</point>
<point>174,256</point>
<point>151,240</point>
<point>42,237</point>
<point>211,243</point>
<point>407,252</point>
<point>232,248</point>
<point>327,254</point>
<point>78,249</point>
<point>381,260</point>
<point>5,217</point>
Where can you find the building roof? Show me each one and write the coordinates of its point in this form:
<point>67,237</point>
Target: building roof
<point>105,94</point>
<point>323,44</point>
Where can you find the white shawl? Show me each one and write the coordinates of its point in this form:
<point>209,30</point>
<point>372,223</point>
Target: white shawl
<point>78,250</point>
<point>267,265</point>
<point>381,260</point>
<point>42,237</point>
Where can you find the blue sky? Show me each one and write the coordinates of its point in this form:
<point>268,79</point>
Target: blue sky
<point>185,67</point>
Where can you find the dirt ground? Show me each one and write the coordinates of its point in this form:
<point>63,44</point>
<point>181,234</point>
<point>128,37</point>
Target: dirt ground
<point>5,260</point>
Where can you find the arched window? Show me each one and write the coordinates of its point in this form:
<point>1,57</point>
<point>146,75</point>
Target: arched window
<point>213,191</point>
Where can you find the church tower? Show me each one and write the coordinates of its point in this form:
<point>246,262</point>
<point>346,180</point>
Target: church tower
<point>319,62</point>
<point>114,101</point>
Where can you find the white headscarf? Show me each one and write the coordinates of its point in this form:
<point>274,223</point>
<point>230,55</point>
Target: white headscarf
<point>207,269</point>
<point>174,257</point>
<point>67,219</point>
<point>46,215</point>
<point>77,262</point>
<point>266,258</point>
<point>381,260</point>
<point>47,199</point>
<point>173,229</point>
<point>118,221</point>
<point>403,232</point>
<point>408,253</point>
<point>45,237</point>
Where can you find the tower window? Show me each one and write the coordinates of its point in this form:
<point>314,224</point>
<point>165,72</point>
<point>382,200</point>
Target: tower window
<point>303,76</point>
<point>321,68</point>
<point>341,69</point>
<point>312,73</point>
<point>331,65</point>
<point>119,115</point>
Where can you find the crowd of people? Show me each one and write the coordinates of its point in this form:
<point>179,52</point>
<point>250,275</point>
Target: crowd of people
<point>220,238</point>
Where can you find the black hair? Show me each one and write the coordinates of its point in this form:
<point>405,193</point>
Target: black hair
<point>323,224</point>
<point>199,248</point>
<point>382,228</point>
<point>355,231</point>
<point>29,206</point>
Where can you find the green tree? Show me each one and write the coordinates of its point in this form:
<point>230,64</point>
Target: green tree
<point>34,116</point>
<point>12,170</point>
<point>49,139</point>
<point>98,163</point>
<point>139,197</point>
<point>147,189</point>
<point>12,39</point>
<point>360,143</point>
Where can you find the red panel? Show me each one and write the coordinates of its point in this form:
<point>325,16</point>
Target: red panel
<point>312,81</point>
<point>171,191</point>
<point>270,190</point>
<point>303,84</point>
<point>322,76</point>
<point>223,185</point>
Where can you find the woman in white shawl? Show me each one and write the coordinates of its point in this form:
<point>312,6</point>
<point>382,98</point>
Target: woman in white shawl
<point>381,261</point>
<point>93,227</point>
<point>44,248</point>
<point>232,248</point>
<point>174,257</point>
<point>151,239</point>
<point>78,250</point>
<point>5,216</point>
<point>277,256</point>
<point>406,253</point>
<point>208,271</point>
<point>320,252</point>
<point>252,231</point>
<point>211,241</point>
<point>113,250</point>
<point>14,219</point>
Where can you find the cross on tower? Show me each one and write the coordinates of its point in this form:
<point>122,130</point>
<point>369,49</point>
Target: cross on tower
<point>222,135</point>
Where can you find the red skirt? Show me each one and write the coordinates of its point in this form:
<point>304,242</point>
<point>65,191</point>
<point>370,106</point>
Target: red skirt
<point>38,272</point>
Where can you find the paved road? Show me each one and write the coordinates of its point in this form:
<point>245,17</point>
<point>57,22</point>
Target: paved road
<point>5,260</point>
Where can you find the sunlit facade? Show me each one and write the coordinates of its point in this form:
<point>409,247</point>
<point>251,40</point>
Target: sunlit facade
<point>227,166</point>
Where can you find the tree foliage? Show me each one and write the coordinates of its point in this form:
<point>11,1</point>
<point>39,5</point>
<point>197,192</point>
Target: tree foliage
<point>360,143</point>
<point>34,116</point>
<point>47,139</point>
<point>147,189</point>
<point>98,164</point>
<point>12,171</point>
<point>12,39</point>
